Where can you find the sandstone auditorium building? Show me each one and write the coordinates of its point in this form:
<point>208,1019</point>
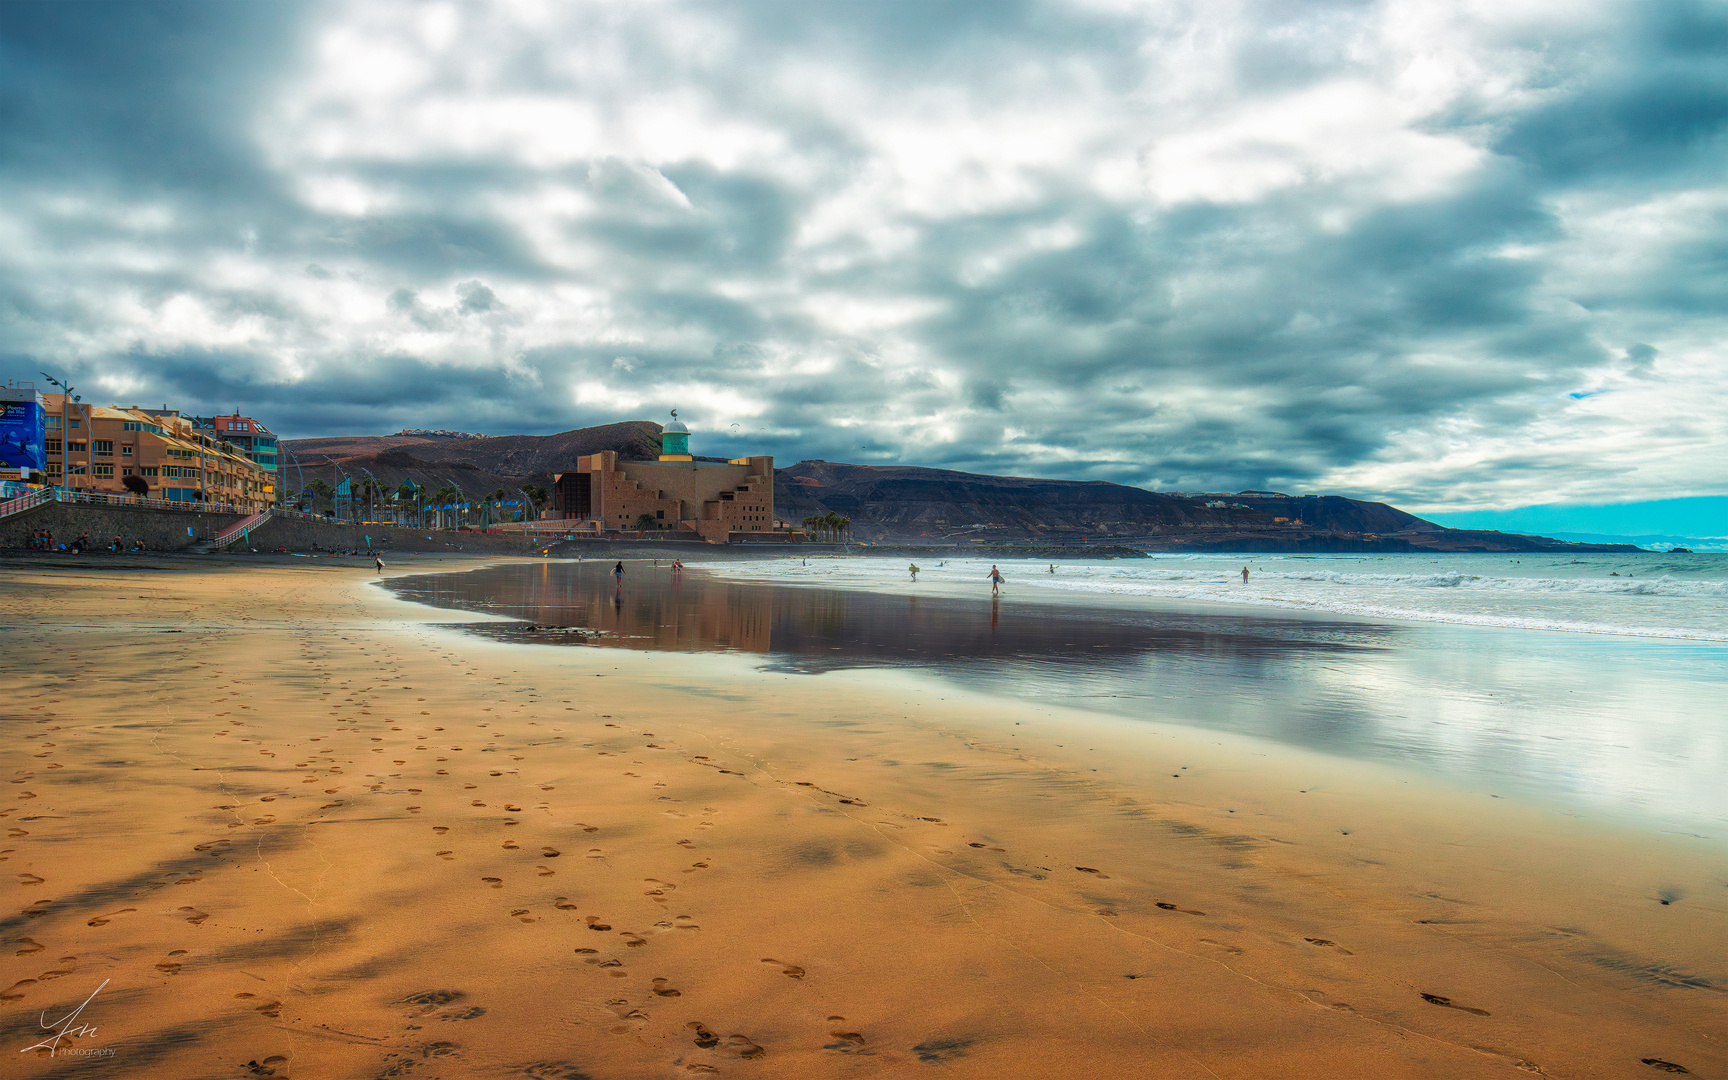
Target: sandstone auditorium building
<point>718,501</point>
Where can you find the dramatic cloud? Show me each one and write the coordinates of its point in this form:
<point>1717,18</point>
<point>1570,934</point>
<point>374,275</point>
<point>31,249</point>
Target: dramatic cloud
<point>1452,254</point>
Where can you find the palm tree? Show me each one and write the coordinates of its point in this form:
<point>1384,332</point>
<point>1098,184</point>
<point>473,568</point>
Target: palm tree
<point>536,499</point>
<point>645,523</point>
<point>321,490</point>
<point>407,493</point>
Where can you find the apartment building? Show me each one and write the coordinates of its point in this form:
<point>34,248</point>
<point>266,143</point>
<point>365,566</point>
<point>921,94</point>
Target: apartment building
<point>257,441</point>
<point>96,448</point>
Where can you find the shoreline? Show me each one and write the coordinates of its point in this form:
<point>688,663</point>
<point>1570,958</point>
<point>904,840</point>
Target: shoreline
<point>946,895</point>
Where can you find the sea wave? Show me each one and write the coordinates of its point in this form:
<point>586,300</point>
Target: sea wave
<point>1658,606</point>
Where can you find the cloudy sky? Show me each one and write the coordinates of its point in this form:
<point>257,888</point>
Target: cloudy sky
<point>1459,255</point>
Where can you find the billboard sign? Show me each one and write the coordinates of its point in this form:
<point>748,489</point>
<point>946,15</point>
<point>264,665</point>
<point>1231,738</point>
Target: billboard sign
<point>22,431</point>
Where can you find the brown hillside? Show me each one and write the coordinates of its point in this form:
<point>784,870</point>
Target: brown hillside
<point>476,465</point>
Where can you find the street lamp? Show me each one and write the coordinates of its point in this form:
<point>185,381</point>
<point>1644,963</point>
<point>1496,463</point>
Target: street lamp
<point>66,401</point>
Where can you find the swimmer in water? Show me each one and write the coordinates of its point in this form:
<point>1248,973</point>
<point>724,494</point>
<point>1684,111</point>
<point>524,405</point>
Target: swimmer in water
<point>1244,575</point>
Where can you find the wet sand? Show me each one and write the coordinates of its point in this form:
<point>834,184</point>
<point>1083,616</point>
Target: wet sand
<point>302,829</point>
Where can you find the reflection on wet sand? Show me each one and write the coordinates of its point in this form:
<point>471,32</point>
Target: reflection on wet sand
<point>1639,730</point>
<point>830,629</point>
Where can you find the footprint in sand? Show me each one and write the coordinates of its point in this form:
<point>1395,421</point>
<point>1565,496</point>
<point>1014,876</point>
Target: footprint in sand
<point>1328,944</point>
<point>587,828</point>
<point>594,923</point>
<point>845,1042</point>
<point>32,946</point>
<point>102,920</point>
<point>193,915</point>
<point>1436,999</point>
<point>1090,870</point>
<point>521,915</point>
<point>272,1009</point>
<point>596,853</point>
<point>743,1047</point>
<point>563,904</point>
<point>549,853</point>
<point>793,970</point>
<point>684,922</point>
<point>16,990</point>
<point>428,1001</point>
<point>30,879</point>
<point>1173,907</point>
<point>664,989</point>
<point>703,1037</point>
<point>447,856</point>
<point>1666,1066</point>
<point>440,829</point>
<point>545,871</point>
<point>496,883</point>
<point>633,941</point>
<point>511,845</point>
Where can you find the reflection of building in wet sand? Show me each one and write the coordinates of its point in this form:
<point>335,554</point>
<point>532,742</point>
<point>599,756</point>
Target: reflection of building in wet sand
<point>823,629</point>
<point>692,614</point>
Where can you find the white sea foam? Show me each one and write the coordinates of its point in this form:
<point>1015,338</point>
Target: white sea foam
<point>1644,595</point>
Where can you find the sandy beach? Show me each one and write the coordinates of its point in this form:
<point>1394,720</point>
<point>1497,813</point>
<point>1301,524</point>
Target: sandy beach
<point>283,824</point>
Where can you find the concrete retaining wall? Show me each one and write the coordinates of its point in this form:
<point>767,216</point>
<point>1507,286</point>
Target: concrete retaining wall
<point>167,530</point>
<point>161,530</point>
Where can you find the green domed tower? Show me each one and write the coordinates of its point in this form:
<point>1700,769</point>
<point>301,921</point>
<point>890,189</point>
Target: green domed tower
<point>675,440</point>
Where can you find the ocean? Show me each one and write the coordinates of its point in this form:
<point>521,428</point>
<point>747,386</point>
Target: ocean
<point>1641,595</point>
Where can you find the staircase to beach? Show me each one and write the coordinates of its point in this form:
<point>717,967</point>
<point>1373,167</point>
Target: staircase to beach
<point>25,502</point>
<point>232,534</point>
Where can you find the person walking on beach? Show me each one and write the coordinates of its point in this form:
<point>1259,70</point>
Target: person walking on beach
<point>996,580</point>
<point>618,573</point>
<point>1244,575</point>
<point>1052,568</point>
<point>677,566</point>
<point>913,569</point>
<point>379,559</point>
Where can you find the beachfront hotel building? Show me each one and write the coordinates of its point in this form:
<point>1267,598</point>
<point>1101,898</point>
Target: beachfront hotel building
<point>93,448</point>
<point>717,501</point>
<point>254,440</point>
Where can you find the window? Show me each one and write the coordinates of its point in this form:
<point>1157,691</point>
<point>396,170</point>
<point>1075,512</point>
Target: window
<point>661,514</point>
<point>150,470</point>
<point>105,447</point>
<point>74,422</point>
<point>53,423</point>
<point>54,470</point>
<point>125,472</point>
<point>125,451</point>
<point>53,446</point>
<point>75,447</point>
<point>104,471</point>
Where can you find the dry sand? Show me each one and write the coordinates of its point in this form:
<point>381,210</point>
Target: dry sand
<point>294,829</point>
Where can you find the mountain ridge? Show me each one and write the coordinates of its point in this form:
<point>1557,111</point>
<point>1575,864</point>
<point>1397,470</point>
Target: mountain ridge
<point>916,504</point>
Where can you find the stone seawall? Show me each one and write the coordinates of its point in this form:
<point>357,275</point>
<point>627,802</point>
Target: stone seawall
<point>161,530</point>
<point>177,530</point>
